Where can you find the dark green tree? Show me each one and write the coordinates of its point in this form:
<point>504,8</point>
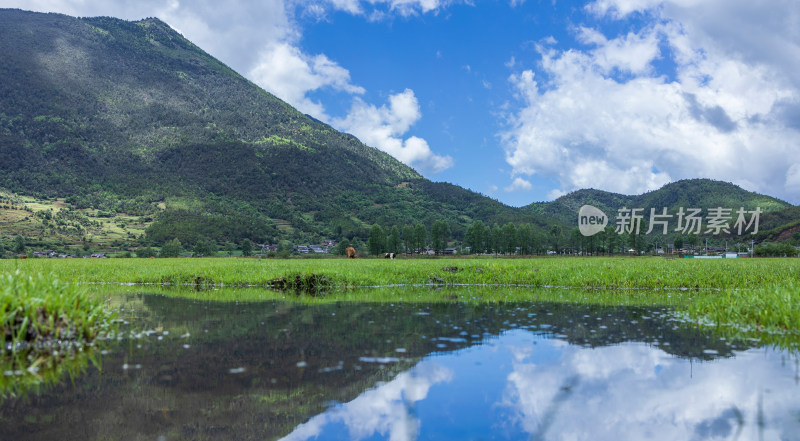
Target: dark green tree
<point>555,238</point>
<point>638,241</point>
<point>205,247</point>
<point>538,242</point>
<point>693,240</point>
<point>146,252</point>
<point>475,237</point>
<point>393,245</point>
<point>632,241</point>
<point>341,247</point>
<point>599,243</point>
<point>284,249</point>
<point>440,234</point>
<point>376,242</point>
<point>576,240</point>
<point>497,239</point>
<point>408,238</point>
<point>678,242</point>
<point>19,244</point>
<point>172,248</point>
<point>524,236</point>
<point>420,237</point>
<point>612,240</point>
<point>247,247</point>
<point>775,249</point>
<point>509,238</point>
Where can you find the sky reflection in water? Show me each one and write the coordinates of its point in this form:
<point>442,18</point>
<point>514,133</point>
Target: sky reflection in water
<point>414,371</point>
<point>526,386</point>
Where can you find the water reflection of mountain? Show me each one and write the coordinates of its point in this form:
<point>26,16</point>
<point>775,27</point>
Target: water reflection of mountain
<point>256,370</point>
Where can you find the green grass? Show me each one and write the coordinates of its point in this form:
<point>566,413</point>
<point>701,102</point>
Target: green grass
<point>616,273</point>
<point>43,322</point>
<point>774,308</point>
<point>760,294</point>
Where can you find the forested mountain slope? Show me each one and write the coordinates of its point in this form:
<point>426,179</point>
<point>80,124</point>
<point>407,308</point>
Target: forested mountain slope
<point>690,193</point>
<point>127,117</point>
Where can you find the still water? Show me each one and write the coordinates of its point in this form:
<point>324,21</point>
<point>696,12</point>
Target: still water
<point>413,371</point>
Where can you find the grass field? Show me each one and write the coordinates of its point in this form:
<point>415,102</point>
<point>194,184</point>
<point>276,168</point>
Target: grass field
<point>756,294</point>
<point>598,272</point>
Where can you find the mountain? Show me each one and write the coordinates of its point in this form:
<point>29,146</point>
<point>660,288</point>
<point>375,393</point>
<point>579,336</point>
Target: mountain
<point>115,132</point>
<point>690,193</point>
<point>132,118</point>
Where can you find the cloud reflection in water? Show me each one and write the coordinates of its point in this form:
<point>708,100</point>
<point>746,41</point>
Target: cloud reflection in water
<point>387,410</point>
<point>525,386</point>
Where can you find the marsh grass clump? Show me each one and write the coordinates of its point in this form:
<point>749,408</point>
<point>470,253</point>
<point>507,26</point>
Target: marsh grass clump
<point>44,320</point>
<point>308,284</point>
<point>774,308</point>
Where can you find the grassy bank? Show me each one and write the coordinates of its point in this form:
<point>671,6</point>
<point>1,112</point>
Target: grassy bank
<point>44,321</point>
<point>638,273</point>
<point>761,294</point>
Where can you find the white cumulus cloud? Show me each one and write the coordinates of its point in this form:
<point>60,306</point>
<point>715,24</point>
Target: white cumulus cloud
<point>383,127</point>
<point>601,117</point>
<point>290,74</point>
<point>519,184</point>
<point>230,30</point>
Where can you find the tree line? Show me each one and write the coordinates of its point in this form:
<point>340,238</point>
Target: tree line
<point>410,239</point>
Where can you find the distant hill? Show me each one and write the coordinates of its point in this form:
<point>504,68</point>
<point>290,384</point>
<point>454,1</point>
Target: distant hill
<point>780,225</point>
<point>127,117</point>
<point>690,193</point>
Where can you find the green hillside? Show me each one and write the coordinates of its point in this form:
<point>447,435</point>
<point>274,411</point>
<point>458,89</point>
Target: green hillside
<point>119,134</point>
<point>126,117</point>
<point>690,193</point>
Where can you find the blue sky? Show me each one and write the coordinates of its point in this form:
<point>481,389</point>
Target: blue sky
<point>524,100</point>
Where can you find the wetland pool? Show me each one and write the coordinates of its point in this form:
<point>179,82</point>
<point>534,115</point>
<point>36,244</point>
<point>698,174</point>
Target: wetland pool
<point>280,369</point>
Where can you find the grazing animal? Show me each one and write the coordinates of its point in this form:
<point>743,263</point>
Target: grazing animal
<point>389,256</point>
<point>351,252</point>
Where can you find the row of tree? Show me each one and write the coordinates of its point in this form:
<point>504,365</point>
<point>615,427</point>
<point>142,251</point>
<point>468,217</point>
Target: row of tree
<point>202,247</point>
<point>411,239</point>
<point>527,239</point>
